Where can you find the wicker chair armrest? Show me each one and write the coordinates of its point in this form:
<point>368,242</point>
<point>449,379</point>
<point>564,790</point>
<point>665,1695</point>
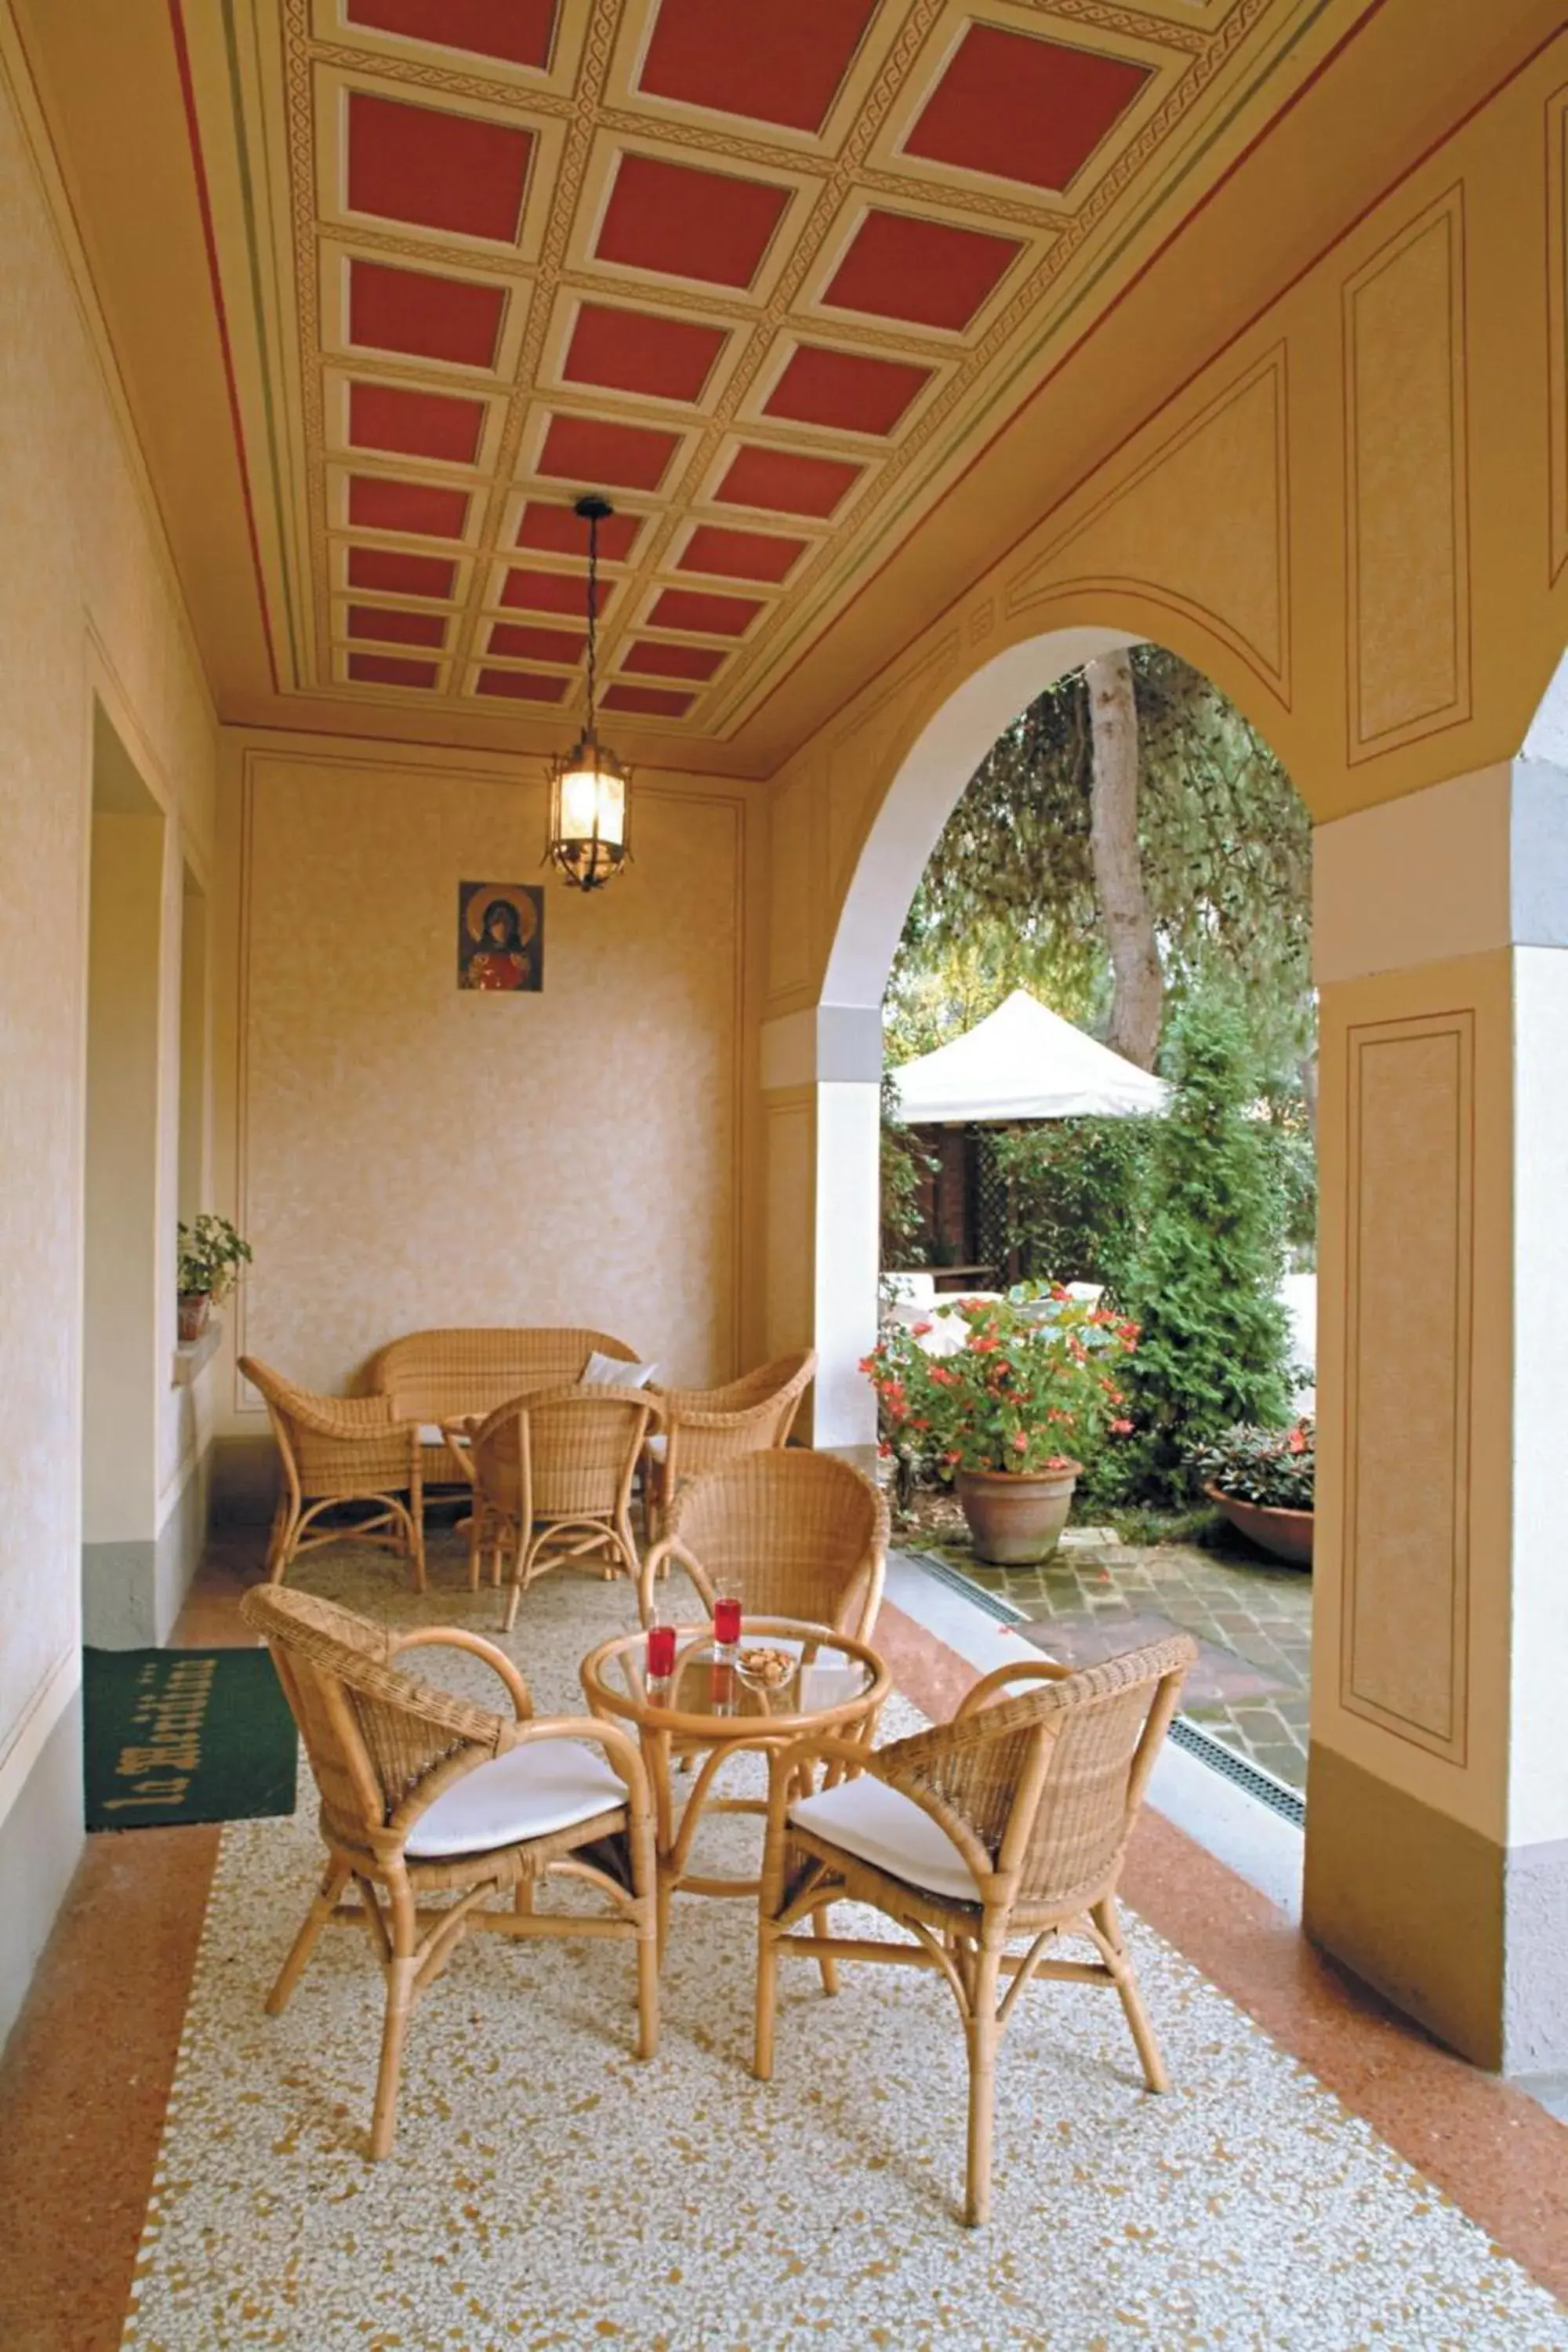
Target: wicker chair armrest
<point>670,1547</point>
<point>785,1762</point>
<point>456,1434</point>
<point>344,1418</point>
<point>1027,1670</point>
<point>697,1414</point>
<point>456,1637</point>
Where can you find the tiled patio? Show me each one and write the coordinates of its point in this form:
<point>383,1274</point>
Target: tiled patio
<point>1252,1618</point>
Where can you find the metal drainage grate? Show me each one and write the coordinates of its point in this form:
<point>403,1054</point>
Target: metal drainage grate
<point>955,1580</point>
<point>1277,1795</point>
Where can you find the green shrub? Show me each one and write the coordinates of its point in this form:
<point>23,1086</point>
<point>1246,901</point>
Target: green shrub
<point>1074,1188</point>
<point>1203,1279</point>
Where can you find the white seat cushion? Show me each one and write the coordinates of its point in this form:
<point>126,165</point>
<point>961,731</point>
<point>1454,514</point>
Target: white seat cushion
<point>888,1830</point>
<point>611,1372</point>
<point>658,1446</point>
<point>526,1793</point>
<point>430,1433</point>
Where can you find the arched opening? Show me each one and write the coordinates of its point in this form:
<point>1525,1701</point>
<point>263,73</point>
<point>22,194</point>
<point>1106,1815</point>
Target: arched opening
<point>918,800</point>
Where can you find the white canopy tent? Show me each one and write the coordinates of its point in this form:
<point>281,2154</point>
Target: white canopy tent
<point>1022,1062</point>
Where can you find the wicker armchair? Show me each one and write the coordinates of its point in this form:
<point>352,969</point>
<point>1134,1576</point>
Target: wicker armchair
<point>703,1427</point>
<point>797,1534</point>
<point>1010,1821</point>
<point>440,1376</point>
<point>337,1450</point>
<point>426,1793</point>
<point>552,1473</point>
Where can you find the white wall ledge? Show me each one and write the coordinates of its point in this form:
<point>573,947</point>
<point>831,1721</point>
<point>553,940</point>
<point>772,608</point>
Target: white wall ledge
<point>191,1356</point>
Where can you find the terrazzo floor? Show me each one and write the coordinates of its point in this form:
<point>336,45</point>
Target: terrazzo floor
<point>545,2189</point>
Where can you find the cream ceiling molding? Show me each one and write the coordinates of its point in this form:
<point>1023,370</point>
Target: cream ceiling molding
<point>1202,526</point>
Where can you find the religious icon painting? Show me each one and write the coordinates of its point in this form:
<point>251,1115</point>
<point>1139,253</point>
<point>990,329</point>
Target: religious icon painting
<point>501,936</point>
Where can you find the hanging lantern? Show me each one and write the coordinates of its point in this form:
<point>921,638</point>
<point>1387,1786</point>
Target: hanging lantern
<point>589,788</point>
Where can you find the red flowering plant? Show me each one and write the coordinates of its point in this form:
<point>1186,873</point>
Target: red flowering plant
<point>1274,1468</point>
<point>1025,1383</point>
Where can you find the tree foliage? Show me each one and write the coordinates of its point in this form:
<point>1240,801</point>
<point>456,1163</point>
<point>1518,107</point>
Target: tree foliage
<point>1204,1281</point>
<point>1009,898</point>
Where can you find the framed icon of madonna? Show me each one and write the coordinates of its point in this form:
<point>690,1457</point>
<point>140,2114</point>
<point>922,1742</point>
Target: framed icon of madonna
<point>501,937</point>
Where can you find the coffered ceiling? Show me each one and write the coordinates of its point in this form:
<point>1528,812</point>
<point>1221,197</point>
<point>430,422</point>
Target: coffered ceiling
<point>767,277</point>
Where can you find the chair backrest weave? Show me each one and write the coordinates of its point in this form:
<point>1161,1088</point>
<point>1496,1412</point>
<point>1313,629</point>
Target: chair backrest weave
<point>563,1453</point>
<point>799,1534</point>
<point>759,1411</point>
<point>436,1375</point>
<point>336,1446</point>
<point>372,1733</point>
<point>1096,1732</point>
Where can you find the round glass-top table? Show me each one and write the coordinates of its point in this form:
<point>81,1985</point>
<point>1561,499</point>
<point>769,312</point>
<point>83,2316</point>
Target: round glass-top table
<point>708,1707</point>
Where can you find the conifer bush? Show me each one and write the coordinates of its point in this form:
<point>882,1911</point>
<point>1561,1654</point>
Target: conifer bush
<point>1203,1280</point>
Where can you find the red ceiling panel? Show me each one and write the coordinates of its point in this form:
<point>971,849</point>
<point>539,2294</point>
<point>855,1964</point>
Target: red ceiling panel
<point>560,532</point>
<point>650,699</point>
<point>553,591</point>
<point>775,64</point>
<point>587,449</point>
<point>396,575</point>
<point>390,627</point>
<point>686,224</point>
<point>696,608</point>
<point>522,643</point>
<point>1023,108</point>
<point>412,507</point>
<point>740,554</point>
<point>434,317</point>
<point>786,484</point>
<point>453,171</point>
<point>637,351</point>
<point>522,684</point>
<point>415,424</point>
<point>652,660</point>
<point>390,669</point>
<point>846,389</point>
<point>922,271</point>
<point>519,31</point>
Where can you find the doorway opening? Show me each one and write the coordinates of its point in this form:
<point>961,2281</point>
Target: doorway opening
<point>121,1329</point>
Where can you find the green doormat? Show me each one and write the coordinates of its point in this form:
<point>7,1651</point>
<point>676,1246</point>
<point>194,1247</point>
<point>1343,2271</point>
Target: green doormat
<point>185,1735</point>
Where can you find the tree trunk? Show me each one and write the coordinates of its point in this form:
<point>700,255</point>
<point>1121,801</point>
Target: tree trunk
<point>1138,984</point>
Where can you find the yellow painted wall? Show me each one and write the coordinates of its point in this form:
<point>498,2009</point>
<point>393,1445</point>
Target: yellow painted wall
<point>1355,519</point>
<point>88,605</point>
<point>405,1153</point>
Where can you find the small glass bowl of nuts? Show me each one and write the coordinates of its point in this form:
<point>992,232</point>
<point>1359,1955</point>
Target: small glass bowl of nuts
<point>763,1667</point>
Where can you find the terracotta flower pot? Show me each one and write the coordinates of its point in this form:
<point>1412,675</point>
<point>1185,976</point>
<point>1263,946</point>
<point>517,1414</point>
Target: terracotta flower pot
<point>1016,1518</point>
<point>1287,1534</point>
<point>192,1309</point>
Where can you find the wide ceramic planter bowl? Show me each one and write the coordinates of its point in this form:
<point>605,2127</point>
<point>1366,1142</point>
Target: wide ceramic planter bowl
<point>1015,1519</point>
<point>1287,1534</point>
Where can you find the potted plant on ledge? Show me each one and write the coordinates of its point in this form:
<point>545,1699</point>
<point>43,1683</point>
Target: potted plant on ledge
<point>210,1256</point>
<point>1006,1389</point>
<point>1264,1481</point>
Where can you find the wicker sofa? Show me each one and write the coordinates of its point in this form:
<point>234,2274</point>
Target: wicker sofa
<point>436,1376</point>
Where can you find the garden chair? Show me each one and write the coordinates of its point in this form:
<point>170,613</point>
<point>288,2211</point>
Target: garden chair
<point>797,1534</point>
<point>552,1473</point>
<point>424,1793</point>
<point>336,1451</point>
<point>703,1427</point>
<point>1009,1822</point>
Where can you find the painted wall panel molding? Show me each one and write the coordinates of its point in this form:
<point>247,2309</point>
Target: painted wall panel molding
<point>1407,486</point>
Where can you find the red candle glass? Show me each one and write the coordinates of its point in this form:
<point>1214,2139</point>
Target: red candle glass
<point>727,1619</point>
<point>660,1652</point>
